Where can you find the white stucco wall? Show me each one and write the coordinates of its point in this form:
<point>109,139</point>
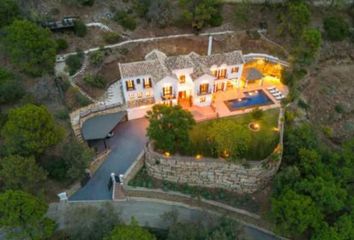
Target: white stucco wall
<point>166,81</point>
<point>208,97</point>
<point>139,88</point>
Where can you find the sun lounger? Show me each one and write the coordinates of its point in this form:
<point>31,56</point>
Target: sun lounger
<point>273,91</point>
<point>270,88</point>
<point>279,97</point>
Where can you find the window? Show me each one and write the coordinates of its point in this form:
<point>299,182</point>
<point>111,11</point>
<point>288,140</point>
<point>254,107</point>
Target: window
<point>147,94</point>
<point>138,81</point>
<point>204,88</point>
<point>130,85</point>
<point>140,94</point>
<point>221,73</point>
<point>202,99</point>
<point>167,91</point>
<point>234,69</point>
<point>131,96</point>
<point>147,83</point>
<point>182,79</point>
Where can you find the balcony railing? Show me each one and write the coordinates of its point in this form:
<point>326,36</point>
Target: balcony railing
<point>168,96</point>
<point>204,93</point>
<point>140,102</point>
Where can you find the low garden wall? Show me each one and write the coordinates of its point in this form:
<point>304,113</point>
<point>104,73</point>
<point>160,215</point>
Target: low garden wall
<point>216,173</point>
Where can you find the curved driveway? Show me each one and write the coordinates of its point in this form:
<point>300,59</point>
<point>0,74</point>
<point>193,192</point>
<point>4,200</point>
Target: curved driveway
<point>126,144</point>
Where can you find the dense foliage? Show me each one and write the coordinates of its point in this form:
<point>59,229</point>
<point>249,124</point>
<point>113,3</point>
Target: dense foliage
<point>126,20</point>
<point>20,173</point>
<point>169,127</point>
<point>30,130</point>
<point>30,47</point>
<point>91,223</point>
<point>74,62</point>
<point>23,216</point>
<point>9,11</point>
<point>132,231</point>
<point>201,13</point>
<point>10,88</point>
<point>294,18</point>
<point>313,194</point>
<point>336,28</point>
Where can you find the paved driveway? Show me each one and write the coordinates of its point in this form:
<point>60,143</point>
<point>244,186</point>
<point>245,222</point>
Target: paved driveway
<point>126,144</point>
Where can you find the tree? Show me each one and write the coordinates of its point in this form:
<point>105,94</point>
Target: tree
<point>242,12</point>
<point>296,138</point>
<point>30,129</point>
<point>10,88</point>
<point>30,47</point>
<point>328,196</point>
<point>294,213</point>
<point>90,223</point>
<point>336,28</point>
<point>125,20</point>
<point>295,18</point>
<point>132,232</point>
<point>200,13</point>
<point>76,158</point>
<point>9,11</point>
<point>80,28</point>
<point>23,216</point>
<point>309,45</point>
<point>20,173</point>
<point>169,127</point>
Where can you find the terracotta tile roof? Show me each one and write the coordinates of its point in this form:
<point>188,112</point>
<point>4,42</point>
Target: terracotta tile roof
<point>158,65</point>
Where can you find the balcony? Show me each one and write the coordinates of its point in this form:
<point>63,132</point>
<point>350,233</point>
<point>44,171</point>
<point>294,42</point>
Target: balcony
<point>140,102</point>
<point>168,96</point>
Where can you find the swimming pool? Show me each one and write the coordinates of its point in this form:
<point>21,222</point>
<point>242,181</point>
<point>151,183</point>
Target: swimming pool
<point>251,99</point>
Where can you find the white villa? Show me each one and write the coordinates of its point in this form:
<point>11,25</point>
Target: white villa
<point>192,80</point>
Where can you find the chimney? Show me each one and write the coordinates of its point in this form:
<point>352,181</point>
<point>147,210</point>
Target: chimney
<point>210,45</point>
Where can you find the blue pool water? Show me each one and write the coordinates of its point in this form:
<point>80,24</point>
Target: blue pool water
<point>251,99</point>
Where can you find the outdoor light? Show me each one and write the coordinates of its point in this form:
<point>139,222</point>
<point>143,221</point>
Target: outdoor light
<point>276,129</point>
<point>254,126</point>
<point>167,154</point>
<point>198,156</point>
<point>226,154</point>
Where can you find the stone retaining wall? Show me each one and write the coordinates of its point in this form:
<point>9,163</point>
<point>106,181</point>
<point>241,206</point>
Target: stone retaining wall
<point>216,173</point>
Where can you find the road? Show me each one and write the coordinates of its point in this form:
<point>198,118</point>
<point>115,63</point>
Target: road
<point>126,144</point>
<point>149,214</point>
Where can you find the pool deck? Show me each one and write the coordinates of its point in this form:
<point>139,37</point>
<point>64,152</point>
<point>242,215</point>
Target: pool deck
<point>220,109</point>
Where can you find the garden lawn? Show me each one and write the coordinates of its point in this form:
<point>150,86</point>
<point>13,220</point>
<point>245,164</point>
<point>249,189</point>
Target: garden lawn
<point>250,145</point>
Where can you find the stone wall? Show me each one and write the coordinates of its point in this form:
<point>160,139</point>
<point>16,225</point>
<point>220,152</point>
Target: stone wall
<point>214,173</point>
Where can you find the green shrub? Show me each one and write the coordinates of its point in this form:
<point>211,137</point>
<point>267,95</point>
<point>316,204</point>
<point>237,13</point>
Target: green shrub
<point>111,37</point>
<point>80,28</point>
<point>257,113</point>
<point>336,28</point>
<point>82,100</point>
<point>96,58</point>
<point>74,63</point>
<point>61,44</point>
<point>95,81</point>
<point>125,20</point>
<point>339,108</point>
